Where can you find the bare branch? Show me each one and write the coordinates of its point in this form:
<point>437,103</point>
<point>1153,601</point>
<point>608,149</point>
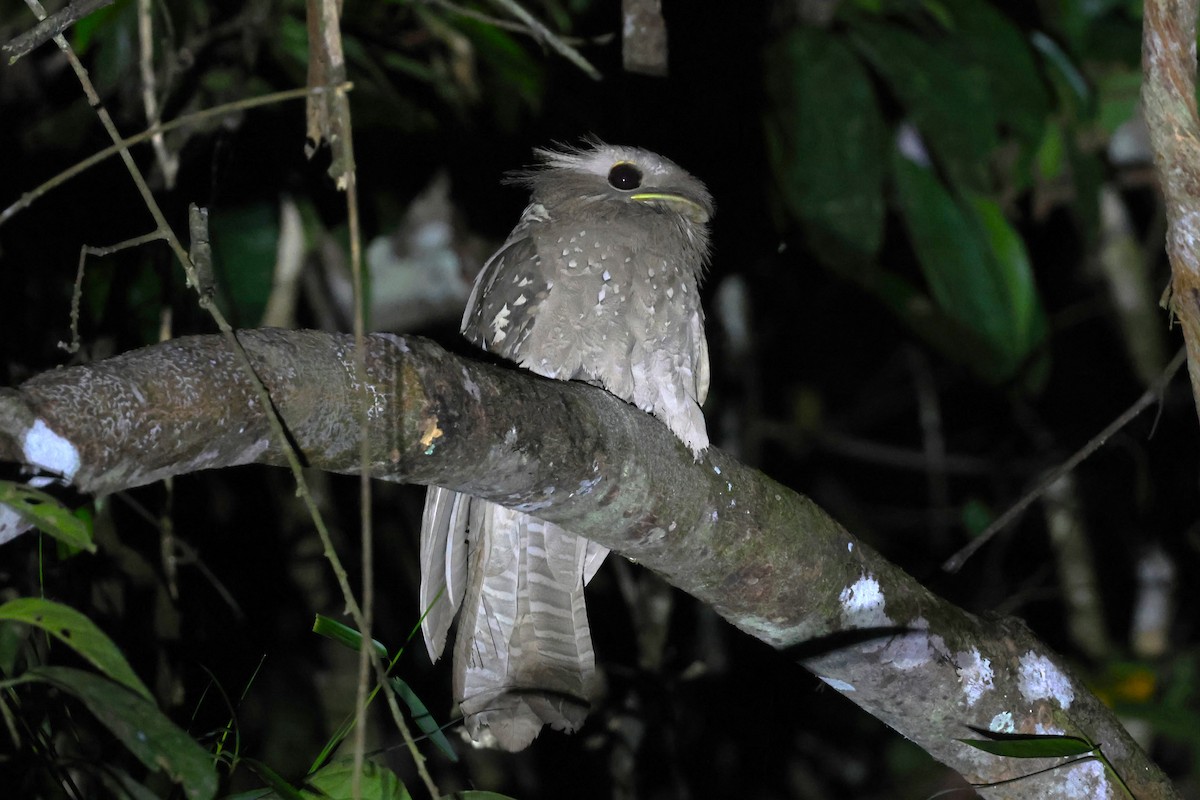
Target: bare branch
<point>766,558</point>
<point>50,27</point>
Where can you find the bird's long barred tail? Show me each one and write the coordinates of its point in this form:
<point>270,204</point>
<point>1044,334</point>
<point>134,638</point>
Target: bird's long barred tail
<point>524,655</point>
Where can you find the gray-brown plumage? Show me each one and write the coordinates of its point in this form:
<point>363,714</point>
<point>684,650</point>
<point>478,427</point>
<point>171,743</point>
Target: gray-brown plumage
<point>598,282</point>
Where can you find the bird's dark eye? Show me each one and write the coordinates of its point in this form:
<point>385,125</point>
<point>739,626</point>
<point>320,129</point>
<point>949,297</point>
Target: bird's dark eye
<point>624,176</point>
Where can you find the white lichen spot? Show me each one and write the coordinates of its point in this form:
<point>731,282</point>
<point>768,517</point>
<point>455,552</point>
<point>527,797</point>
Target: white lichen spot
<point>42,447</point>
<point>910,650</point>
<point>975,674</point>
<point>863,604</point>
<point>1002,723</point>
<point>1086,779</point>
<point>1040,679</point>
<point>834,683</point>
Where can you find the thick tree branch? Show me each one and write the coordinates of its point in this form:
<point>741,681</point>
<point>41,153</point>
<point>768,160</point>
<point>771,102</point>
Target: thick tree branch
<point>766,558</point>
<point>1169,103</point>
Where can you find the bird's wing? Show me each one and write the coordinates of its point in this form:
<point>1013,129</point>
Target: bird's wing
<point>508,292</point>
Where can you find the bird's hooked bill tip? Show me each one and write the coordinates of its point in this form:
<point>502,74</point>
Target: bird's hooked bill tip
<point>684,205</point>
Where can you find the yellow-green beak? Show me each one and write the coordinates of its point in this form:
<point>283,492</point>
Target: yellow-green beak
<point>684,205</point>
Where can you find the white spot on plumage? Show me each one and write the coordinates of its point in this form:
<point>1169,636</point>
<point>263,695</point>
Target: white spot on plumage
<point>606,276</point>
<point>572,263</point>
<point>600,297</point>
<point>524,282</point>
<point>670,292</point>
<point>499,323</point>
<point>520,301</point>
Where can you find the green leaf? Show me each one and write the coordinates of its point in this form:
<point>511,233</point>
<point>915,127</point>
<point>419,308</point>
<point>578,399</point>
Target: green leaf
<point>950,251</point>
<point>825,140</point>
<point>280,788</point>
<point>1021,310</point>
<point>156,741</point>
<point>950,106</point>
<point>47,514</point>
<point>985,38</point>
<point>1051,157</point>
<point>79,633</point>
<point>243,242</point>
<point>1071,83</point>
<point>976,268</point>
<point>421,716</point>
<point>344,634</point>
<point>1119,93</point>
<point>334,782</point>
<point>1028,745</point>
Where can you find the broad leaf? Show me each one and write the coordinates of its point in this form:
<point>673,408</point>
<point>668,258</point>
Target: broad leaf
<point>47,514</point>
<point>80,634</point>
<point>986,38</point>
<point>952,111</point>
<point>156,741</point>
<point>975,266</point>
<point>825,141</point>
<point>336,780</point>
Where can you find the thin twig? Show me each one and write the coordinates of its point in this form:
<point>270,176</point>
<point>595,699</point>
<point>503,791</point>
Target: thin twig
<point>50,26</point>
<point>168,162</point>
<point>120,144</point>
<point>77,293</point>
<point>516,27</point>
<point>955,562</point>
<point>552,39</point>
